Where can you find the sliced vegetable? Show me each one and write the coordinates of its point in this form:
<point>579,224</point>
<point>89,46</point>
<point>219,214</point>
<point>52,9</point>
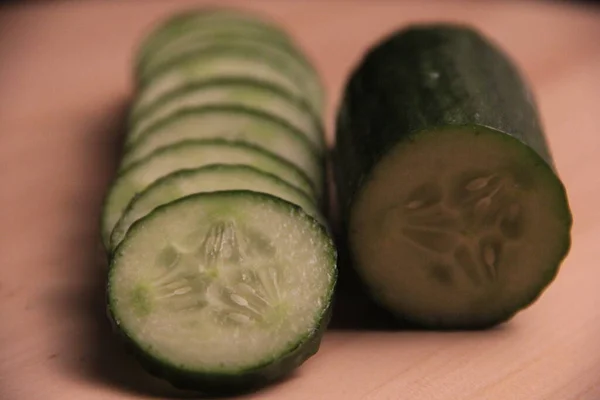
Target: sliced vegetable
<point>189,23</point>
<point>221,267</point>
<point>245,93</point>
<point>223,291</point>
<point>211,178</point>
<point>232,124</point>
<point>186,155</point>
<point>202,41</point>
<point>231,61</point>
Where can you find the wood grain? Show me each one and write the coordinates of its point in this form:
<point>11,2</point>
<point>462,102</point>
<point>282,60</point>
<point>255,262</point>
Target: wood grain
<point>64,81</point>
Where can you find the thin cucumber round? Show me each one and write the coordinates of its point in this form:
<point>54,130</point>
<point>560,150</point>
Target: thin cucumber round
<point>245,93</point>
<point>189,22</point>
<point>225,62</point>
<point>186,155</point>
<point>211,178</point>
<point>455,216</point>
<point>223,291</point>
<point>185,42</point>
<point>182,49</point>
<point>236,124</point>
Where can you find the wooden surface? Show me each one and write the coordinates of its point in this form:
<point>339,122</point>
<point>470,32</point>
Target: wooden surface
<point>64,80</point>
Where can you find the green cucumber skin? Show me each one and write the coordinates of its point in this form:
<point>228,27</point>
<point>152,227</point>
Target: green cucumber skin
<point>412,81</point>
<point>239,381</point>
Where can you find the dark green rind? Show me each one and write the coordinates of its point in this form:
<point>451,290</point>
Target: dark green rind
<point>277,91</point>
<point>241,380</point>
<point>320,197</point>
<point>428,77</point>
<point>246,52</point>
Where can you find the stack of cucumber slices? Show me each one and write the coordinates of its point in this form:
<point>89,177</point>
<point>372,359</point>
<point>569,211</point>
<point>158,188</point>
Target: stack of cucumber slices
<point>222,268</point>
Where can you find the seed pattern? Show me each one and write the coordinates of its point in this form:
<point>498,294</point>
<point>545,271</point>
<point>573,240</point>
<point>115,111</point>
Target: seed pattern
<point>466,226</point>
<point>225,271</point>
<point>180,285</point>
<point>249,298</point>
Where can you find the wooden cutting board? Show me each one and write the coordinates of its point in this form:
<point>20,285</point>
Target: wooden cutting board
<point>65,76</point>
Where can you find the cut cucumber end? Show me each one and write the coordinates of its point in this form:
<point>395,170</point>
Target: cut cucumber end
<point>223,284</point>
<point>465,227</point>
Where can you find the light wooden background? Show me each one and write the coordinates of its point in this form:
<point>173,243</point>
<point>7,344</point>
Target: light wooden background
<point>64,79</point>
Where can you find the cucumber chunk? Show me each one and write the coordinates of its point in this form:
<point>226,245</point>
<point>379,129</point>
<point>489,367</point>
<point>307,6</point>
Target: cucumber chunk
<point>223,291</point>
<point>211,178</point>
<point>455,216</point>
<point>239,92</point>
<point>186,155</point>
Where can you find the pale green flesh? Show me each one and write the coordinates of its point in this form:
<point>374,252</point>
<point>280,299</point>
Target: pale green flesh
<point>230,93</point>
<point>214,66</point>
<point>208,179</point>
<point>221,283</point>
<point>187,155</point>
<point>239,126</point>
<point>457,226</point>
<point>200,41</point>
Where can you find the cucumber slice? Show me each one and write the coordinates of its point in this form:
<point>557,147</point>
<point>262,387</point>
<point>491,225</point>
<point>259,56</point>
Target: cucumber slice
<point>179,45</point>
<point>222,62</point>
<point>240,92</point>
<point>186,155</point>
<point>222,291</point>
<point>211,178</point>
<point>189,22</point>
<point>455,217</point>
<point>232,123</point>
<point>297,65</point>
